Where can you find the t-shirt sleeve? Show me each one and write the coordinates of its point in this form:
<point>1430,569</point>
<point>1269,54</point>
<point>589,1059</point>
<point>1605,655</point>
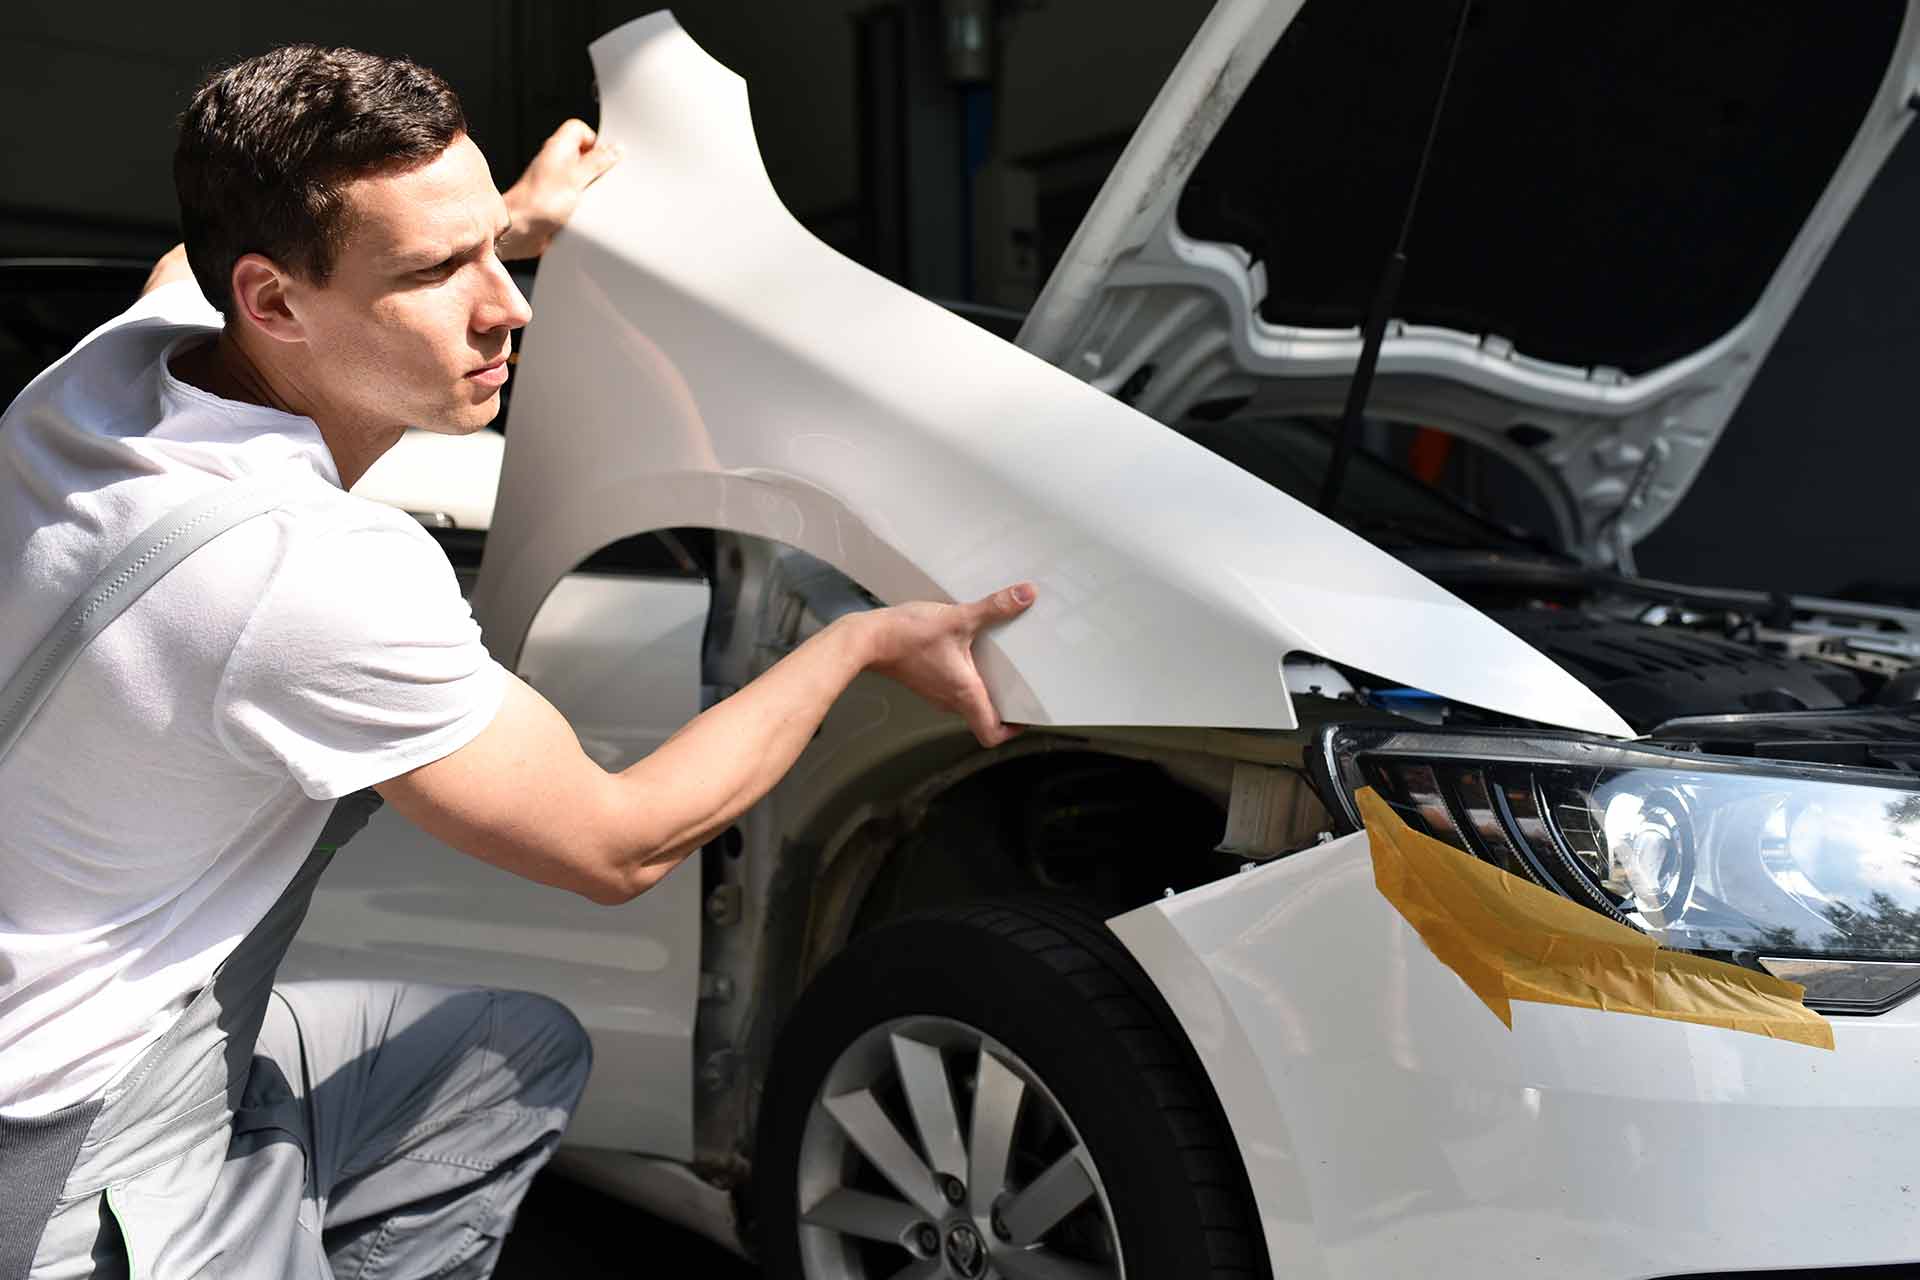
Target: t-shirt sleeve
<point>361,662</point>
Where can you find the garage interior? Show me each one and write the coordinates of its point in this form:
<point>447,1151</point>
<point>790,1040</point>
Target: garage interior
<point>953,146</point>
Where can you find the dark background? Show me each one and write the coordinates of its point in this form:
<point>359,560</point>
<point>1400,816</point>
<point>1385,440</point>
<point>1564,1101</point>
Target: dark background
<point>962,182</point>
<point>1815,486</point>
<point>873,136</point>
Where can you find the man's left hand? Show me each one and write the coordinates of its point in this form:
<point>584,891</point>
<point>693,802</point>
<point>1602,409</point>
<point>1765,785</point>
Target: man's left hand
<point>544,198</point>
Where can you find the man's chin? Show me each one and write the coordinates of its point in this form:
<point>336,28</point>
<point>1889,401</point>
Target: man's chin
<point>467,418</point>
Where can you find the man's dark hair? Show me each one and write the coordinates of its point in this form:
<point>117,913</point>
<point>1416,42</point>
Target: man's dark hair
<point>267,144</point>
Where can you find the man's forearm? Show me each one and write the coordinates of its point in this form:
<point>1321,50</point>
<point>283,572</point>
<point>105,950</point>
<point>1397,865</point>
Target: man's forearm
<point>730,755</point>
<point>525,796</point>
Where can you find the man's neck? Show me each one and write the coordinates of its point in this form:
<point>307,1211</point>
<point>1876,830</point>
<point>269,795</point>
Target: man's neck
<point>224,367</point>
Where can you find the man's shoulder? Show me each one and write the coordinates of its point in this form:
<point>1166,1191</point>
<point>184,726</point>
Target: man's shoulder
<point>328,539</point>
<point>347,554</point>
<point>324,565</point>
<point>325,510</point>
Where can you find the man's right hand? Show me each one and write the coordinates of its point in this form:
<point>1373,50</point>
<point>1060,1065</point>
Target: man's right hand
<point>929,649</point>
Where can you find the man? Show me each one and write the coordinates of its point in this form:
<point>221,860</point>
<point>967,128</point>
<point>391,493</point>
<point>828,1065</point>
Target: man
<point>159,1102</point>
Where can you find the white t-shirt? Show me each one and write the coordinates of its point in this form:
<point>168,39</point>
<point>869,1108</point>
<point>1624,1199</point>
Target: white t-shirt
<point>176,779</point>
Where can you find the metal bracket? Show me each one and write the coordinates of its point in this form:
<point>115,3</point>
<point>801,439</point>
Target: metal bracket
<point>724,905</point>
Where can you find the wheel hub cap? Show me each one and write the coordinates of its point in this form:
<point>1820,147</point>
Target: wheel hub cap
<point>965,1254</point>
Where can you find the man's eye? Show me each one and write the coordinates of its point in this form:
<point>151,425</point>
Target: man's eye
<point>439,270</point>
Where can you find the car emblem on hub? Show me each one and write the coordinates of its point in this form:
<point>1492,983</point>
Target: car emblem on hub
<point>964,1252</point>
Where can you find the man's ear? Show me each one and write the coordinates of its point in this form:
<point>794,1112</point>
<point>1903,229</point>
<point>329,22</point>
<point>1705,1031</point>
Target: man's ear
<point>260,298</point>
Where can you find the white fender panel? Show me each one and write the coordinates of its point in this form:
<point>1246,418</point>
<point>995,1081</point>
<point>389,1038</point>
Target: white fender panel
<point>698,358</point>
<point>1392,1127</point>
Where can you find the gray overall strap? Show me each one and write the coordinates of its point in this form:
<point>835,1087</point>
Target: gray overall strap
<point>36,1154</point>
<point>147,559</point>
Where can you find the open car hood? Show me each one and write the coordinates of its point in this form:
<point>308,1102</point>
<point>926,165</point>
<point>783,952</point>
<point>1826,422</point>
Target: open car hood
<point>1624,206</point>
<point>699,359</point>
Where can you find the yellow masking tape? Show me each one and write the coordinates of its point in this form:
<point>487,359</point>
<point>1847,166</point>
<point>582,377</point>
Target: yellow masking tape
<point>1512,940</point>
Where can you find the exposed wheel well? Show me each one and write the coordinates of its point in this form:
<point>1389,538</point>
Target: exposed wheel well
<point>1108,830</point>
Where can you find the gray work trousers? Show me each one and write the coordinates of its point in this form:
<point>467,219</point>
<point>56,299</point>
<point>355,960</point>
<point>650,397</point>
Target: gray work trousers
<point>317,1129</point>
<point>385,1130</point>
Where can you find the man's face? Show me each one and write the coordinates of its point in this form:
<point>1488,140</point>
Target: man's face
<point>414,326</point>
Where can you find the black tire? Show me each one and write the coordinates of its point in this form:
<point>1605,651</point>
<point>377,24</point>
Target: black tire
<point>1047,979</point>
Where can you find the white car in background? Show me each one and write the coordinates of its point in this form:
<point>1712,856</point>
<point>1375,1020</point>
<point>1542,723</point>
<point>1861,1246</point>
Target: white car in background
<point>1132,995</point>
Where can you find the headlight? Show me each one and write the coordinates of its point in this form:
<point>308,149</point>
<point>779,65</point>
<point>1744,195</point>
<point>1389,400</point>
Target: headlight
<point>1810,872</point>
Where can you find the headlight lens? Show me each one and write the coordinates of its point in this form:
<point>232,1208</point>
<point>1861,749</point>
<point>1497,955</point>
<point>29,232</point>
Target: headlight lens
<point>1737,858</point>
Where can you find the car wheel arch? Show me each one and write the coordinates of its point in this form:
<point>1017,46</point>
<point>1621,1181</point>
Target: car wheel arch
<point>820,860</point>
<point>855,858</point>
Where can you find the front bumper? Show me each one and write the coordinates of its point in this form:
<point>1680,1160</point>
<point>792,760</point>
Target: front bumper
<point>1391,1126</point>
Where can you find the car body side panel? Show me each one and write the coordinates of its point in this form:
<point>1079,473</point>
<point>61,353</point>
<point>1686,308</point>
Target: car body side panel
<point>620,657</point>
<point>699,359</point>
<point>1392,1127</point>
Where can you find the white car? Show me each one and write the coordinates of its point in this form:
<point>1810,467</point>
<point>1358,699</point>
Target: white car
<point>1310,930</point>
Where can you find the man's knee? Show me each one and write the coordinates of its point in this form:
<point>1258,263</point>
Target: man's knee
<point>546,1046</point>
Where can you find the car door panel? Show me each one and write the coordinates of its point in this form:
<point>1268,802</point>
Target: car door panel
<point>619,656</point>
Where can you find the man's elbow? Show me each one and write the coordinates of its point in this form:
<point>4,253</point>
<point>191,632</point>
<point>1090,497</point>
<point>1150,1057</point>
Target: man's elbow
<point>614,884</point>
<point>610,891</point>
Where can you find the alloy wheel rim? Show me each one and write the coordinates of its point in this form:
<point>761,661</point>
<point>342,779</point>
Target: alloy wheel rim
<point>934,1152</point>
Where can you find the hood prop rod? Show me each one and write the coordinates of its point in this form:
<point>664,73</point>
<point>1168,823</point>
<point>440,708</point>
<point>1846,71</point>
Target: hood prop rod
<point>1386,294</point>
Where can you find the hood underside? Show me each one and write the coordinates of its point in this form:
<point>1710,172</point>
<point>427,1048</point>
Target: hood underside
<point>699,359</point>
<point>1619,216</point>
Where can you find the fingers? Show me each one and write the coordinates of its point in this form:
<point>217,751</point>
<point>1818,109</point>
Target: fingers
<point>597,161</point>
<point>998,736</point>
<point>586,156</point>
<point>976,708</point>
<point>1003,605</point>
<point>574,135</point>
<point>930,653</point>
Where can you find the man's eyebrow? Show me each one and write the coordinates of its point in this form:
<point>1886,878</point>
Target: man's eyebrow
<point>425,259</point>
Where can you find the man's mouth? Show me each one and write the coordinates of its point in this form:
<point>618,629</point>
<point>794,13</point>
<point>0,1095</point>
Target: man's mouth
<point>493,374</point>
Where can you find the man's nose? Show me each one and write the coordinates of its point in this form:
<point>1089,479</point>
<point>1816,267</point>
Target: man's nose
<point>504,306</point>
